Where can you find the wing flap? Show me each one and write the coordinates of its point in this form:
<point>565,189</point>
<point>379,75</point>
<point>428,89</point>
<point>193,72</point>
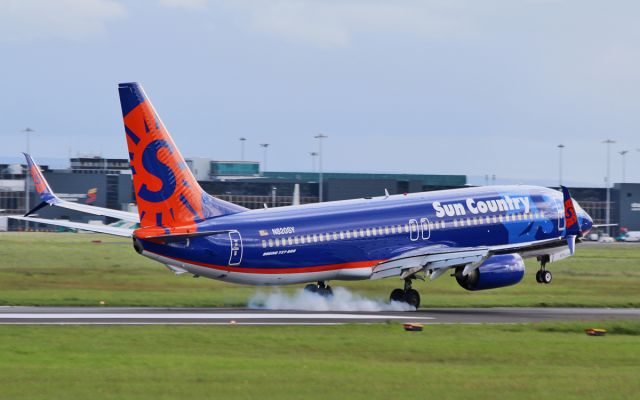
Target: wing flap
<point>436,259</point>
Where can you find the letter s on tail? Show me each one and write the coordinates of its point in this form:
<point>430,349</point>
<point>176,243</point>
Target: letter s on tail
<point>167,193</point>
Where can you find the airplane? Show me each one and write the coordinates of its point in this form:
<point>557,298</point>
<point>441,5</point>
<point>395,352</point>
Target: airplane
<point>479,234</point>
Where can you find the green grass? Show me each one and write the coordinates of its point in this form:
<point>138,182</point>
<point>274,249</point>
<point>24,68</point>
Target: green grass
<point>540,361</point>
<point>68,269</point>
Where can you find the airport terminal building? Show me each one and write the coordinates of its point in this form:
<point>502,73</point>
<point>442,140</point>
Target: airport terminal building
<point>106,182</point>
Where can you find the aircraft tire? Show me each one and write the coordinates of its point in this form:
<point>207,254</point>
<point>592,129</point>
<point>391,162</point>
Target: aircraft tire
<point>539,276</point>
<point>326,291</point>
<point>412,297</point>
<point>397,295</point>
<point>311,288</point>
<point>546,277</point>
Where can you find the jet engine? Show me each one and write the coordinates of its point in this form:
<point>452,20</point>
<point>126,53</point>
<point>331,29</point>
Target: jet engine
<point>497,271</point>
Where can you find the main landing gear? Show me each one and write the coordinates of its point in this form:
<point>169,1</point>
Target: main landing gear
<point>543,276</point>
<point>406,295</point>
<point>320,288</point>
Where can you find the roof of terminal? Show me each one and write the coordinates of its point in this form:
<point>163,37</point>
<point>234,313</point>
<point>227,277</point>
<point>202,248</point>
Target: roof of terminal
<point>428,180</point>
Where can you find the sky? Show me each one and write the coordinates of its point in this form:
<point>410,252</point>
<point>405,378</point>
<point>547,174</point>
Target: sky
<point>408,86</point>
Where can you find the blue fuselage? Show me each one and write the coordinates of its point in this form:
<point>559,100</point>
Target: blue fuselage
<point>345,239</point>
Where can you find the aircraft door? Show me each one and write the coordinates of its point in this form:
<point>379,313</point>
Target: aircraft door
<point>561,218</point>
<point>235,241</point>
<point>426,228</point>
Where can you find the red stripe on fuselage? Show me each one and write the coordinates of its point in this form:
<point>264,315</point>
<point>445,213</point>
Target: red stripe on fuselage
<point>278,270</point>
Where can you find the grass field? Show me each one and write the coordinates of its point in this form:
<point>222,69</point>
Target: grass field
<point>542,361</point>
<point>69,269</point>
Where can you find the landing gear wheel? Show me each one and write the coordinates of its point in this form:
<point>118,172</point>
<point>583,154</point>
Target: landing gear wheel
<point>546,277</point>
<point>326,291</point>
<point>539,276</point>
<point>320,288</point>
<point>412,297</point>
<point>397,295</point>
<point>311,288</point>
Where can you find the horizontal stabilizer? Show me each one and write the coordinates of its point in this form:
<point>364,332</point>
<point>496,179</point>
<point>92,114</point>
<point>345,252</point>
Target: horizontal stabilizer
<point>109,230</point>
<point>602,225</point>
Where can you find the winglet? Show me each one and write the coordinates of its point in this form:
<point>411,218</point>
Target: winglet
<point>42,187</point>
<point>570,216</point>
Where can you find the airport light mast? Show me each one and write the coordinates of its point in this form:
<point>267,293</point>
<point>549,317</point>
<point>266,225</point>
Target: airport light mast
<point>28,131</point>
<point>623,153</point>
<point>560,149</point>
<point>608,142</point>
<point>313,155</point>
<point>242,140</point>
<point>320,184</point>
<point>264,146</point>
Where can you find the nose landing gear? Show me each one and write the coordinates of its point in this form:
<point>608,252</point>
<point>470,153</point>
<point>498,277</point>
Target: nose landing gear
<point>543,276</point>
<point>406,295</point>
<point>320,288</point>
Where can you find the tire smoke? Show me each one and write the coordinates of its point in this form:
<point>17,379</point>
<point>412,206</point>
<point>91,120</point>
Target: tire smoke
<point>342,300</point>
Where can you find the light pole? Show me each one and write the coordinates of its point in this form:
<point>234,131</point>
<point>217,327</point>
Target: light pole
<point>313,155</point>
<point>560,149</point>
<point>242,140</point>
<point>28,131</point>
<point>623,153</point>
<point>264,156</point>
<point>320,137</point>
<point>608,142</point>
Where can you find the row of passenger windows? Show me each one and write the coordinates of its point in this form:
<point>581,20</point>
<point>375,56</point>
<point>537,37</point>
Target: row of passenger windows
<point>396,229</point>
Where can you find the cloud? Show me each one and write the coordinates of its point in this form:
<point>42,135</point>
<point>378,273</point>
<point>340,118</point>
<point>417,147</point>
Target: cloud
<point>187,4</point>
<point>337,23</point>
<point>76,20</point>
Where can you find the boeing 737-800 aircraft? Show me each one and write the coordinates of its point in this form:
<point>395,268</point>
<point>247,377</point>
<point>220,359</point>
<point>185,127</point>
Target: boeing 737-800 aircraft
<point>480,234</point>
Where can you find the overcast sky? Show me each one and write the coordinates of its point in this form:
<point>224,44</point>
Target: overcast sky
<point>456,86</point>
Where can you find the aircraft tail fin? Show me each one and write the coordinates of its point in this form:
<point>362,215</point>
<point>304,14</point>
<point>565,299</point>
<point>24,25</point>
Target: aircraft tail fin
<point>40,183</point>
<point>167,194</point>
<point>570,216</point>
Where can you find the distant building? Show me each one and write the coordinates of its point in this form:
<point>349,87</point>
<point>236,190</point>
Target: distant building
<point>107,183</point>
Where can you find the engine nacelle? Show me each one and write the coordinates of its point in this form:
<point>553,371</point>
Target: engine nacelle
<point>497,271</point>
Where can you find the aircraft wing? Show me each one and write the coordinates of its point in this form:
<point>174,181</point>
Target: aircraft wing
<point>110,230</point>
<point>436,260</point>
<point>49,198</point>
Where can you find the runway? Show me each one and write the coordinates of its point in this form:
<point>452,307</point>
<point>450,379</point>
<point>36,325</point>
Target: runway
<point>242,316</point>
